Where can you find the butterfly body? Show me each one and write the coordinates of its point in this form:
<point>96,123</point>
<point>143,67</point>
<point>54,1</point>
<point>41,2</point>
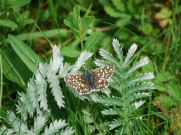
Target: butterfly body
<point>91,81</point>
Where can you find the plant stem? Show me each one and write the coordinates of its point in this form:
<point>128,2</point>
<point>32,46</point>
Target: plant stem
<point>1,87</point>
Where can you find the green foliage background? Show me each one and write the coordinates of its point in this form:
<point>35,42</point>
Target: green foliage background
<point>27,28</point>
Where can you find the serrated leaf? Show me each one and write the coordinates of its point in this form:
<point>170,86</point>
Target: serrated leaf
<point>108,56</point>
<point>139,78</point>
<point>111,111</point>
<point>67,131</point>
<point>80,61</point>
<point>136,66</point>
<point>39,122</point>
<point>114,124</point>
<point>129,55</point>
<point>110,101</point>
<point>26,54</point>
<point>118,50</point>
<point>54,127</point>
<point>56,90</point>
<point>139,88</point>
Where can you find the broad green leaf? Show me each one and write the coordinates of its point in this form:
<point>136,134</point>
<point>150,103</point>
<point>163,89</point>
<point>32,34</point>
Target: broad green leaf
<point>8,23</point>
<point>167,101</point>
<point>163,77</point>
<point>164,13</point>
<point>76,11</point>
<point>105,2</point>
<point>92,42</point>
<point>70,52</point>
<point>147,28</point>
<point>73,26</point>
<point>119,4</point>
<point>112,11</point>
<point>25,53</point>
<point>74,21</point>
<point>86,22</point>
<point>24,18</point>
<point>123,21</point>
<point>17,3</point>
<point>174,90</point>
<point>14,69</point>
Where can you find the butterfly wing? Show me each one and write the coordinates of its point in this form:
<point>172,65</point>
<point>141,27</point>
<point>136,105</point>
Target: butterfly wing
<point>102,76</point>
<point>78,82</point>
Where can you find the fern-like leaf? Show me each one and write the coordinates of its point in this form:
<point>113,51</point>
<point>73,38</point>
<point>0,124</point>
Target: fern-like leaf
<point>39,122</point>
<point>118,50</point>
<point>107,56</point>
<point>129,55</point>
<point>140,77</point>
<point>41,85</point>
<point>67,131</point>
<point>114,124</point>
<point>140,88</point>
<point>34,102</point>
<point>100,63</point>
<point>56,90</point>
<point>132,89</point>
<point>111,111</point>
<point>80,61</point>
<point>18,125</point>
<point>110,100</point>
<point>54,127</point>
<point>135,67</point>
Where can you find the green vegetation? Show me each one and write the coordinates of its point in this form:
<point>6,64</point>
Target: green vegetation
<point>42,42</point>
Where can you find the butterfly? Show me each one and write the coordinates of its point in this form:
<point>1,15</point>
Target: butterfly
<point>88,81</point>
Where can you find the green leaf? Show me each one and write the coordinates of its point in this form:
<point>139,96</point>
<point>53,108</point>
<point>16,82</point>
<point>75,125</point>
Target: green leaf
<point>47,33</point>
<point>91,42</point>
<point>149,67</point>
<point>86,22</point>
<point>25,53</point>
<point>112,11</point>
<point>123,21</point>
<point>24,18</point>
<point>163,77</point>
<point>70,52</point>
<point>17,3</point>
<point>8,23</point>
<point>167,101</point>
<point>165,13</point>
<point>147,28</point>
<point>14,69</point>
<point>119,4</point>
<point>74,21</point>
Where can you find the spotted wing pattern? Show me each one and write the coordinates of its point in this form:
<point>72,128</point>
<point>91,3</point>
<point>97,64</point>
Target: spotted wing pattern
<point>102,76</point>
<point>78,82</point>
